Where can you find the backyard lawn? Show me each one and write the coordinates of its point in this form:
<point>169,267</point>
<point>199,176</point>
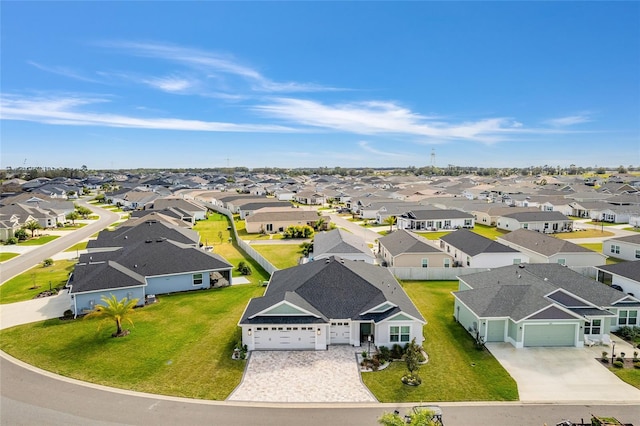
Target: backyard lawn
<point>179,346</point>
<point>456,371</point>
<point>212,229</point>
<point>281,256</point>
<point>490,232</point>
<point>28,284</point>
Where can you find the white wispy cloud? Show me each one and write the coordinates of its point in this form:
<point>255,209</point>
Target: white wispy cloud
<point>366,146</point>
<point>67,111</point>
<point>569,120</point>
<point>216,63</point>
<point>379,117</point>
<point>64,71</point>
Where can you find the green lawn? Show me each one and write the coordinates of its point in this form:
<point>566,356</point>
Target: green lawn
<point>629,375</point>
<point>179,346</point>
<point>210,230</point>
<point>587,233</point>
<point>79,246</point>
<point>450,374</point>
<point>7,256</point>
<point>490,232</point>
<point>28,284</point>
<point>281,256</point>
<point>433,235</point>
<point>38,241</point>
<point>592,246</point>
<point>72,227</point>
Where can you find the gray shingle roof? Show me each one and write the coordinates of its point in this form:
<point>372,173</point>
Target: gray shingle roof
<point>539,216</point>
<point>143,259</point>
<point>436,214</point>
<point>402,241</point>
<point>629,270</point>
<point>336,289</point>
<point>541,243</point>
<point>518,291</point>
<point>143,229</point>
<point>474,244</point>
<point>633,239</point>
<point>339,241</point>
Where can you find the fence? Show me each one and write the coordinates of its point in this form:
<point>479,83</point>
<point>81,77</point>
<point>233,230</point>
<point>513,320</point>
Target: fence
<point>432,274</point>
<point>260,260</point>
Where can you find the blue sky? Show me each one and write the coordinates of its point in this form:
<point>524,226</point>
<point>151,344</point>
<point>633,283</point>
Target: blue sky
<point>309,84</point>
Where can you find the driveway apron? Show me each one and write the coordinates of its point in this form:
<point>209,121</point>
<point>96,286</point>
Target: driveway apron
<point>303,376</point>
<point>563,374</point>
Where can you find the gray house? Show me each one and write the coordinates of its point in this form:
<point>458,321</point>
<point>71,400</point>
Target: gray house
<point>530,305</point>
<point>542,248</point>
<point>435,219</point>
<point>148,267</point>
<point>548,222</point>
<point>475,251</point>
<point>625,248</point>
<point>402,248</point>
<point>329,302</point>
<point>341,244</point>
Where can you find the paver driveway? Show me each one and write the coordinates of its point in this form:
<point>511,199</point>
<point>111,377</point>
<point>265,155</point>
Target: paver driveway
<point>564,374</point>
<point>303,376</point>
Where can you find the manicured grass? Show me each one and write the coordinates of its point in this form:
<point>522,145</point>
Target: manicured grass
<point>38,241</point>
<point>72,227</point>
<point>179,346</point>
<point>587,233</point>
<point>7,256</point>
<point>280,255</point>
<point>597,247</point>
<point>80,246</point>
<point>28,284</point>
<point>449,375</point>
<point>629,375</point>
<point>632,229</point>
<point>602,223</point>
<point>433,235</point>
<point>490,232</point>
<point>209,230</point>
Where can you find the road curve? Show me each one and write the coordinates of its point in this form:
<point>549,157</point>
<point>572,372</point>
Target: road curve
<point>19,264</point>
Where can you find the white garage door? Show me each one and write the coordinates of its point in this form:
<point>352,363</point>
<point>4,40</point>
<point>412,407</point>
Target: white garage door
<point>340,333</point>
<point>549,335</point>
<point>284,337</point>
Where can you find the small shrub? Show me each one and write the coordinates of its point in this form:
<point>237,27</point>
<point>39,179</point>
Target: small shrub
<point>68,313</point>
<point>47,262</point>
<point>636,365</point>
<point>618,364</point>
<point>605,354</point>
<point>384,353</point>
<point>619,359</point>
<point>21,234</point>
<point>244,268</point>
<point>364,354</point>
<point>12,240</point>
<point>397,351</point>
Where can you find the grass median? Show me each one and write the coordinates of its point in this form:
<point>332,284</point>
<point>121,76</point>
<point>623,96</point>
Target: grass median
<point>29,284</point>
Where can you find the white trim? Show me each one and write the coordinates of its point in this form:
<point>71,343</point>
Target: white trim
<point>373,310</point>
<point>554,305</point>
<point>108,289</point>
<point>283,302</point>
<point>405,314</point>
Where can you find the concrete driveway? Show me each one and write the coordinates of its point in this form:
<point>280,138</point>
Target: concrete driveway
<point>303,376</point>
<point>564,374</point>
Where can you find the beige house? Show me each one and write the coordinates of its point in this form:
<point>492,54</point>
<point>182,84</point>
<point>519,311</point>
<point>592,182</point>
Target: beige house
<point>271,220</point>
<point>406,249</point>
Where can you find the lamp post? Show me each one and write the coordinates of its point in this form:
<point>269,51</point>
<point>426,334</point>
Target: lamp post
<point>613,351</point>
<point>369,342</point>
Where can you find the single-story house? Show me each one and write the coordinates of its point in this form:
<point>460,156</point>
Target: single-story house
<point>623,274</point>
<point>542,221</point>
<point>331,302</point>
<point>435,219</point>
<point>341,244</point>
<point>538,305</point>
<point>192,208</point>
<point>402,248</point>
<point>489,215</point>
<point>475,251</point>
<point>148,267</point>
<point>625,248</point>
<point>271,220</point>
<point>542,248</point>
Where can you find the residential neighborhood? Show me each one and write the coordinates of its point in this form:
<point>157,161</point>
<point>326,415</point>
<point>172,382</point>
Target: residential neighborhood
<point>522,273</point>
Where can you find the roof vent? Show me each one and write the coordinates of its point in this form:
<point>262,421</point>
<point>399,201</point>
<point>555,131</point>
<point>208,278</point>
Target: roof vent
<point>148,241</point>
<point>126,236</point>
<point>546,279</point>
<point>327,261</point>
<point>135,266</point>
<point>521,266</point>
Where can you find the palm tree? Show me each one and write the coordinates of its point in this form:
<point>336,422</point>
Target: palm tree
<point>114,310</point>
<point>32,226</point>
<point>320,224</point>
<point>390,220</point>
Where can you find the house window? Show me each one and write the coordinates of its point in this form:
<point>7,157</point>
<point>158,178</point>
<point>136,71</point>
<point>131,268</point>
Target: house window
<point>468,261</point>
<point>467,222</point>
<point>517,261</point>
<point>637,254</point>
<point>425,263</point>
<point>546,225</point>
<point>627,317</point>
<point>399,333</point>
<point>615,249</point>
<point>525,226</point>
<point>562,261</point>
<point>429,224</point>
<point>605,278</point>
<point>269,227</point>
<point>197,279</point>
<point>447,224</point>
<point>592,327</point>
<point>447,263</point>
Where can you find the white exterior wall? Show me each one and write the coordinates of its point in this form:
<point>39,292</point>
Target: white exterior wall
<point>382,329</point>
<point>628,285</point>
<point>496,260</point>
<point>579,259</point>
<point>627,250</point>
